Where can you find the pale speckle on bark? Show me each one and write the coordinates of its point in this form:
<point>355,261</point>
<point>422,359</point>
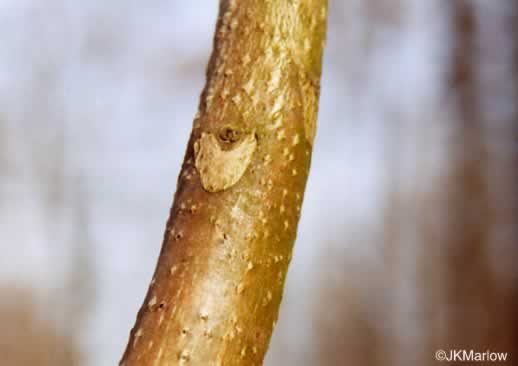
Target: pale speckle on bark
<point>233,224</point>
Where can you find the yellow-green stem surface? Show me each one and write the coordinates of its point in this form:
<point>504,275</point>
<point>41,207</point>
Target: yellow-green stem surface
<point>215,295</point>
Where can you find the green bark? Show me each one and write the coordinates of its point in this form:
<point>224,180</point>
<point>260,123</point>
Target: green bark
<point>215,295</point>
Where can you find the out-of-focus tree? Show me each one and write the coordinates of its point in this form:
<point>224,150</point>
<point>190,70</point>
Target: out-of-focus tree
<point>447,279</point>
<point>28,336</point>
<point>478,286</point>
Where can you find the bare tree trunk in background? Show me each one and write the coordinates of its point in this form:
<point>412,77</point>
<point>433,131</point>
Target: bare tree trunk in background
<point>218,284</point>
<point>464,234</point>
<point>52,322</point>
<point>23,325</point>
<point>480,286</point>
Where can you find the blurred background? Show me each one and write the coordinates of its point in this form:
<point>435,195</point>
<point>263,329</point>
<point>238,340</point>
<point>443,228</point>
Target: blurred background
<point>408,240</point>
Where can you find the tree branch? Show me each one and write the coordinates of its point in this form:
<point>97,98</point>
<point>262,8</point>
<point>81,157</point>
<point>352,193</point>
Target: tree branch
<point>217,288</point>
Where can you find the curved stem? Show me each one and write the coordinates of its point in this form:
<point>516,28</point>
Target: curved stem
<point>215,295</point>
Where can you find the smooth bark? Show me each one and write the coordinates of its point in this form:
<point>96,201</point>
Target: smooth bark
<point>215,295</point>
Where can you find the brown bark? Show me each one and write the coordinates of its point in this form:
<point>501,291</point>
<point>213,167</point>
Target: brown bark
<point>218,284</point>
